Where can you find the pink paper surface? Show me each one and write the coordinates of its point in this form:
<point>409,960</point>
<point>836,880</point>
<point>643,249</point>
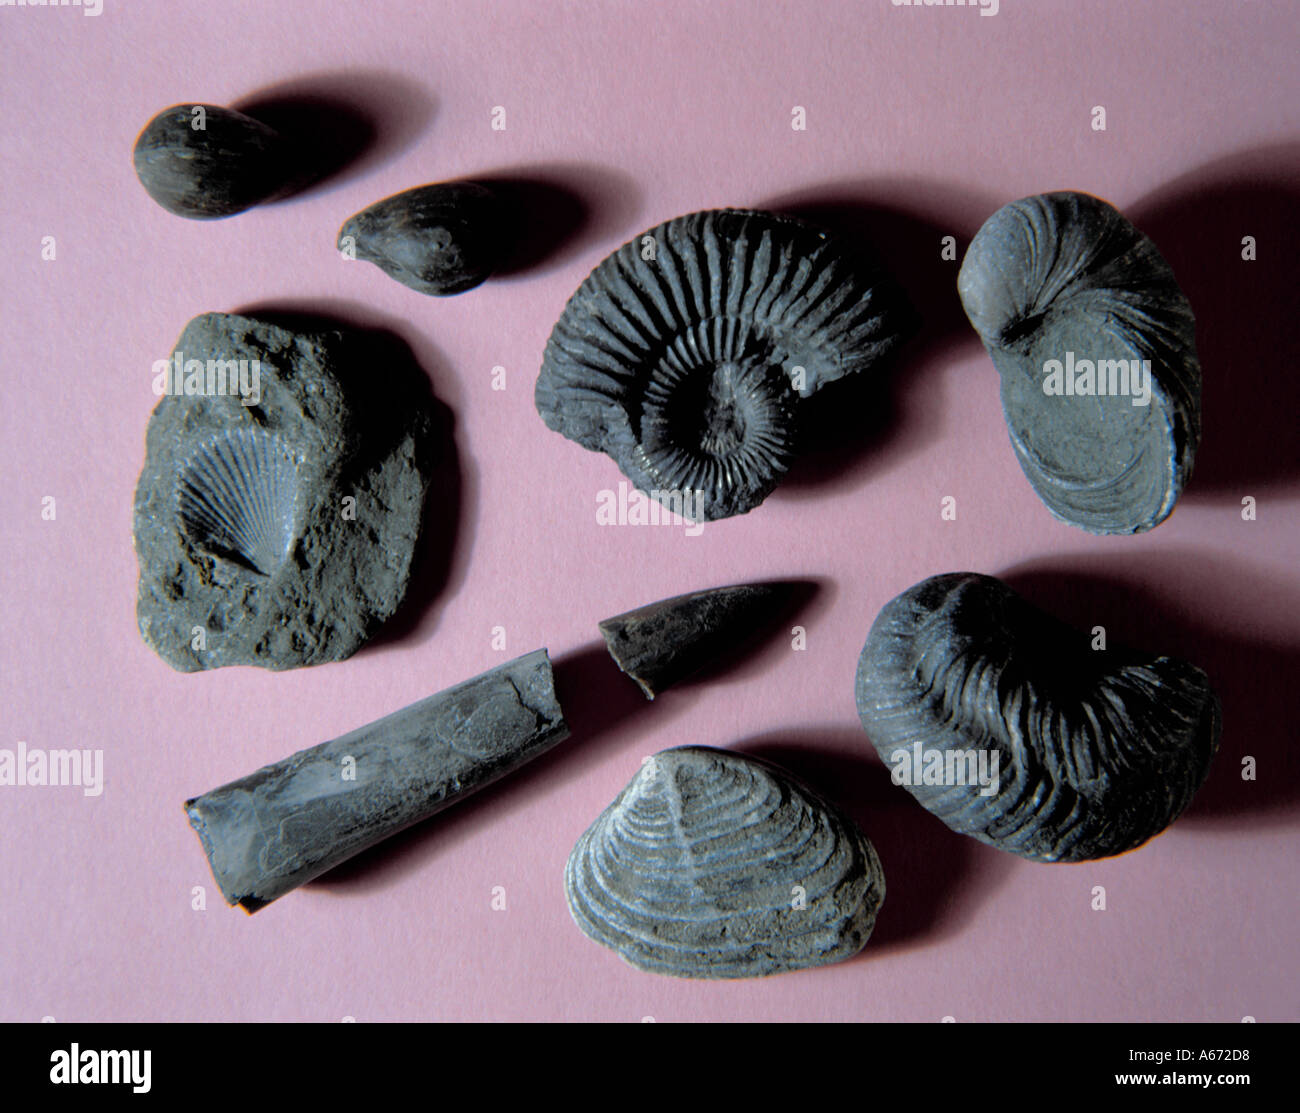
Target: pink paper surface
<point>927,118</point>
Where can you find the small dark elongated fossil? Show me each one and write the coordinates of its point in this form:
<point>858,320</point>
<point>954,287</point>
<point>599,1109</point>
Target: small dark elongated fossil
<point>437,239</point>
<point>204,161</point>
<point>1011,728</point>
<point>664,642</point>
<point>280,827</point>
<point>712,864</point>
<point>686,355</point>
<point>1096,348</point>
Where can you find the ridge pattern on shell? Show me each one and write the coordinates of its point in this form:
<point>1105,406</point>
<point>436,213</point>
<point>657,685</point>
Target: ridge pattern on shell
<point>686,353</point>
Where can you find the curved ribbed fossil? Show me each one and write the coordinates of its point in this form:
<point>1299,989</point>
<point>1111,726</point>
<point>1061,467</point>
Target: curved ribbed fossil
<point>1096,347</point>
<point>686,353</point>
<point>1011,728</point>
<point>712,864</point>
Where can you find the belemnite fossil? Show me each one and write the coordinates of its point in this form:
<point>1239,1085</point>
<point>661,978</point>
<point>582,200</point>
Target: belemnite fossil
<point>1010,727</point>
<point>437,239</point>
<point>712,864</point>
<point>664,642</point>
<point>278,828</point>
<point>686,354</point>
<point>203,161</point>
<point>282,495</point>
<point>1096,348</point>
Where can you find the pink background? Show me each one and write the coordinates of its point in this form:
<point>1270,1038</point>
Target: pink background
<point>920,123</point>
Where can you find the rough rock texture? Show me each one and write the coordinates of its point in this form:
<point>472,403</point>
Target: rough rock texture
<point>230,164</point>
<point>280,533</point>
<point>715,865</point>
<point>437,239</point>
<point>272,831</point>
<point>1065,277</point>
<point>667,641</point>
<point>685,354</point>
<point>1096,750</point>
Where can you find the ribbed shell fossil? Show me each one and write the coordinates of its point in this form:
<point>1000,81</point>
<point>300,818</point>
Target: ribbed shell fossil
<point>1064,277</point>
<point>685,354</point>
<point>205,161</point>
<point>438,239</point>
<point>1011,728</point>
<point>237,497</point>
<point>715,865</point>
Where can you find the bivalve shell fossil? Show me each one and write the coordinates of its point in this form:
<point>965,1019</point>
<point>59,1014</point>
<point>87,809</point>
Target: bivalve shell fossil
<point>711,864</point>
<point>1096,348</point>
<point>685,355</point>
<point>1011,728</point>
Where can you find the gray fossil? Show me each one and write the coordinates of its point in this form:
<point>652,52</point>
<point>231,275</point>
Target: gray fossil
<point>1096,348</point>
<point>438,239</point>
<point>664,642</point>
<point>204,161</point>
<point>1011,728</point>
<point>281,498</point>
<point>278,828</point>
<point>712,864</point>
<point>686,354</point>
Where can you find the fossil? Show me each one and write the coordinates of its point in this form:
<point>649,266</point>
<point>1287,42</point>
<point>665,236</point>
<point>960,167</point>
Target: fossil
<point>278,828</point>
<point>1096,349</point>
<point>204,161</point>
<point>664,642</point>
<point>686,354</point>
<point>711,864</point>
<point>282,495</point>
<point>437,239</point>
<point>1011,728</point>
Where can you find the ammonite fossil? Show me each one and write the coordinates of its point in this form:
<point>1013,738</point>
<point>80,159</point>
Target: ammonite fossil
<point>712,864</point>
<point>687,353</point>
<point>1096,348</point>
<point>1011,728</point>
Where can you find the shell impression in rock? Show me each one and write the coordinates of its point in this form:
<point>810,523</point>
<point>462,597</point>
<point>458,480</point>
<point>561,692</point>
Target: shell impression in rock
<point>437,239</point>
<point>204,161</point>
<point>711,864</point>
<point>1096,348</point>
<point>685,355</point>
<point>282,495</point>
<point>1011,728</point>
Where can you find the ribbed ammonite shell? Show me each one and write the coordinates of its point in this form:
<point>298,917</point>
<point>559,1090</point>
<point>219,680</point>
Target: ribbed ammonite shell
<point>237,497</point>
<point>1070,300</point>
<point>1011,728</point>
<point>686,353</point>
<point>711,864</point>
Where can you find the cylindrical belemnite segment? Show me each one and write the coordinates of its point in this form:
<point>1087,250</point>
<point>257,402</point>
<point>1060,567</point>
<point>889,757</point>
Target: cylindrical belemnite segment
<point>280,827</point>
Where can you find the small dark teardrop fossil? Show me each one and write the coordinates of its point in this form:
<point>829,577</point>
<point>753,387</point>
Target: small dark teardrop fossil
<point>667,641</point>
<point>713,864</point>
<point>204,161</point>
<point>1096,348</point>
<point>685,355</point>
<point>1011,728</point>
<point>437,239</point>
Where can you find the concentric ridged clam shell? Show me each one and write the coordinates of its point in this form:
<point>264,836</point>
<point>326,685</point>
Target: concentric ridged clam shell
<point>1065,277</point>
<point>685,354</point>
<point>711,864</point>
<point>236,498</point>
<point>1096,750</point>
